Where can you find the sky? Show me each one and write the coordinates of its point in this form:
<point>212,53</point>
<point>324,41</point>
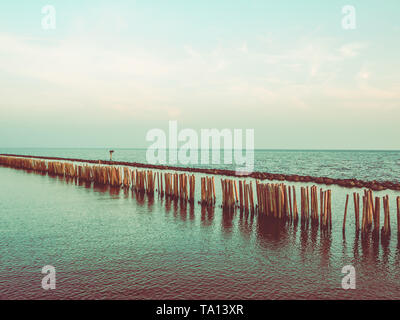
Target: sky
<point>111,71</point>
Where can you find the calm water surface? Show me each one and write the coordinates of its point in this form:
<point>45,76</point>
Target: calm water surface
<point>112,244</point>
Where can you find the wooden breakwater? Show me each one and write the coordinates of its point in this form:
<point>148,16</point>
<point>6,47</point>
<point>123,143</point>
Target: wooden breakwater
<point>347,183</point>
<point>272,200</point>
<point>279,201</point>
<point>367,220</point>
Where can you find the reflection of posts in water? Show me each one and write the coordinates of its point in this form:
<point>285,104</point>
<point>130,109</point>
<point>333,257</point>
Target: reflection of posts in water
<point>167,204</point>
<point>303,238</point>
<point>355,245</point>
<point>304,223</point>
<point>85,183</point>
<point>139,196</point>
<point>150,201</point>
<point>398,249</point>
<point>114,191</point>
<point>314,234</point>
<point>398,214</point>
<point>326,242</point>
<point>365,246</point>
<point>191,211</point>
<point>272,231</point>
<point>375,245</point>
<point>183,212</point>
<point>175,206</point>
<point>207,215</point>
<point>344,247</point>
<point>126,193</point>
<point>227,219</point>
<point>245,225</point>
<point>294,227</point>
<point>344,218</point>
<point>385,241</point>
<point>100,187</point>
<point>88,184</point>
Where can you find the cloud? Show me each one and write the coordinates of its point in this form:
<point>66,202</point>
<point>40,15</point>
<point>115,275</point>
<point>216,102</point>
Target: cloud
<point>69,60</point>
<point>131,80</point>
<point>202,62</point>
<point>243,48</point>
<point>351,50</point>
<point>106,78</point>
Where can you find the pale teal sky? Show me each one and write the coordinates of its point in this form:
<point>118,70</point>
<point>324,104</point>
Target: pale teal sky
<point>112,70</point>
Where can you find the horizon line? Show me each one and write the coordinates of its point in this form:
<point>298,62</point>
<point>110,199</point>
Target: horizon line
<point>255,149</point>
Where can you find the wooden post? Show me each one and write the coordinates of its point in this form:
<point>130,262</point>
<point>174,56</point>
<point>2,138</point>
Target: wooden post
<point>398,214</point>
<point>371,209</point>
<point>385,216</point>
<point>363,215</point>
<point>251,196</point>
<point>307,204</point>
<point>213,187</point>
<point>295,212</point>
<point>223,192</point>
<point>377,214</point>
<point>246,197</point>
<point>241,194</point>
<point>302,203</point>
<point>290,203</point>
<point>356,202</point>
<point>285,196</point>
<point>345,213</point>
<point>388,213</point>
<point>321,199</point>
<point>325,209</point>
<point>330,208</point>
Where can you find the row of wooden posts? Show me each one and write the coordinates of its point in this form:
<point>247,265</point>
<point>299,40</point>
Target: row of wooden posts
<point>273,200</point>
<point>180,186</point>
<point>208,191</point>
<point>278,201</point>
<point>371,212</point>
<point>169,184</point>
